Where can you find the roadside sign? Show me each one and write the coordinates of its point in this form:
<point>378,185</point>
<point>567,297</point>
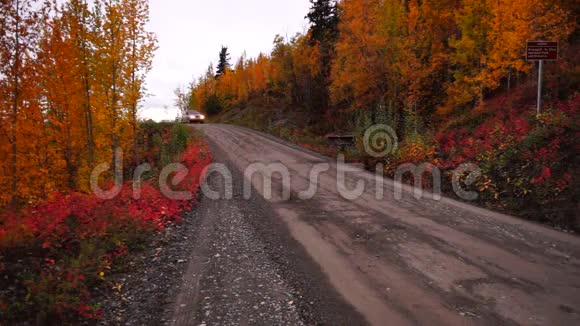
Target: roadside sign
<point>542,50</point>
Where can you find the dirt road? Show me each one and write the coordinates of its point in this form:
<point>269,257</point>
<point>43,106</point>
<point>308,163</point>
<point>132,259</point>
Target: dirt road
<point>331,260</point>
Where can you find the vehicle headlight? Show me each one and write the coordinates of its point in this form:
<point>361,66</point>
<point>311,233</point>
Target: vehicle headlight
<point>202,116</point>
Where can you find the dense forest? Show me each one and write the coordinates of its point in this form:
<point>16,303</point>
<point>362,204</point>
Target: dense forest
<point>72,78</point>
<point>450,76</point>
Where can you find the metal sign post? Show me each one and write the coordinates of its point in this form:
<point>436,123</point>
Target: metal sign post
<point>541,51</point>
<point>540,81</point>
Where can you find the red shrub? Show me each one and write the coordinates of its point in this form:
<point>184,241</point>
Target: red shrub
<point>73,238</point>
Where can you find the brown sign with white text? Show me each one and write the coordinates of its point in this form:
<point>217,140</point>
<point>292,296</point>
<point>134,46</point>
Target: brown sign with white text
<point>542,50</point>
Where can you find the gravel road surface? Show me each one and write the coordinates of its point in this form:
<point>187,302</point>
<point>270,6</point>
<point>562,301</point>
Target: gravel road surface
<point>336,261</point>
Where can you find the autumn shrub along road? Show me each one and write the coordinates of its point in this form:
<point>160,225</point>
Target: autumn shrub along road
<point>54,253</point>
<point>527,162</point>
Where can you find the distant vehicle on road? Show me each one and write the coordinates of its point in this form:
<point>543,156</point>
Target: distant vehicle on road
<point>194,117</point>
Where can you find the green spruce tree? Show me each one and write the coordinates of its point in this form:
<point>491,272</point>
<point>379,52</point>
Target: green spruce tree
<point>323,17</point>
<point>224,62</point>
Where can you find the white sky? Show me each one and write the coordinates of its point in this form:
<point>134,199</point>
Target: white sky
<point>191,33</point>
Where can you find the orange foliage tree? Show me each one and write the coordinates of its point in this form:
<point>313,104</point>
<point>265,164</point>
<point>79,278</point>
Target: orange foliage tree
<point>73,76</point>
<point>20,105</point>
